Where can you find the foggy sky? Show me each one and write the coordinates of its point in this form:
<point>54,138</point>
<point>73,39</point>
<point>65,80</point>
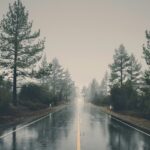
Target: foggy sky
<point>83,34</point>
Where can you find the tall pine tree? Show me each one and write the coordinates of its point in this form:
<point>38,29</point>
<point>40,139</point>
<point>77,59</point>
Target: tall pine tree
<point>44,71</point>
<point>55,79</point>
<point>93,90</point>
<point>67,86</point>
<point>119,66</point>
<point>19,48</point>
<point>134,71</point>
<point>104,85</point>
<point>146,49</point>
<point>146,52</point>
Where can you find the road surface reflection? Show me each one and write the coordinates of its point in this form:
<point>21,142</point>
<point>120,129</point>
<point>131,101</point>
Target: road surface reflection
<point>58,131</point>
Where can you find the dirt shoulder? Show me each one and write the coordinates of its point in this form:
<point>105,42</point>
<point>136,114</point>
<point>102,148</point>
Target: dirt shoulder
<point>135,121</point>
<point>22,116</point>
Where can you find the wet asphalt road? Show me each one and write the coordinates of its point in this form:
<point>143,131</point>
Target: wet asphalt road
<point>58,131</point>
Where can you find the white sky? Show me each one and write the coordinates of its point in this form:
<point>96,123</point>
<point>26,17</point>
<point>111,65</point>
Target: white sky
<point>83,34</point>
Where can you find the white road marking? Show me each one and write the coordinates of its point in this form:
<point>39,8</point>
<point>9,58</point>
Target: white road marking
<point>130,126</point>
<point>5,135</point>
<point>126,124</point>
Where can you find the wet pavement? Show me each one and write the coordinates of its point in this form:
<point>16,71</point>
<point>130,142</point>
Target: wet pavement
<point>58,131</point>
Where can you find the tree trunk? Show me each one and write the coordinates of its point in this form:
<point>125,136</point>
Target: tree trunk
<point>15,86</point>
<point>121,72</point>
<point>15,72</point>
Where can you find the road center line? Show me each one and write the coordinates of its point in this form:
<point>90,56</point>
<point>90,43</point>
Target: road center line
<point>78,133</point>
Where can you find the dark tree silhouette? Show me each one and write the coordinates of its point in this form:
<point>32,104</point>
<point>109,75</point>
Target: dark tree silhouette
<point>19,48</point>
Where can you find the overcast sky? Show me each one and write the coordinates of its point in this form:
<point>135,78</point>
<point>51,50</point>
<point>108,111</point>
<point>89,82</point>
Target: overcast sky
<point>83,34</point>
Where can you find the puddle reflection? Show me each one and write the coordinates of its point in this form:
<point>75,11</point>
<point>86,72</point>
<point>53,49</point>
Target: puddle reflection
<point>58,132</point>
<point>52,133</point>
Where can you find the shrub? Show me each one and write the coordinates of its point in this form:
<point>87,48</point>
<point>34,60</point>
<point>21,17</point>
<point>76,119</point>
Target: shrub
<point>5,95</point>
<point>33,105</point>
<point>34,93</point>
<point>124,98</point>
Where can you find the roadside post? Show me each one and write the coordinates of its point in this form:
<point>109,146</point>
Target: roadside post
<point>50,106</point>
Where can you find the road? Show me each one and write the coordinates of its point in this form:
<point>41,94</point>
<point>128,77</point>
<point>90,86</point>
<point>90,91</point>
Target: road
<point>77,127</point>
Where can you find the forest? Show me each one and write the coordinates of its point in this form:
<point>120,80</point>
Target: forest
<point>26,77</point>
<point>126,87</point>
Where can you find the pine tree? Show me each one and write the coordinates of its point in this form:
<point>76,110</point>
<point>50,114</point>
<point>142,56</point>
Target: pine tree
<point>119,66</point>
<point>19,48</point>
<point>55,79</point>
<point>146,49</point>
<point>93,90</point>
<point>66,84</point>
<point>146,88</point>
<point>104,85</point>
<point>146,52</point>
<point>44,71</point>
<point>134,71</point>
<point>84,92</point>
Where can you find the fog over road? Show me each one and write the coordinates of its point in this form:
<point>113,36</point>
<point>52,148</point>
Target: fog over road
<point>77,127</point>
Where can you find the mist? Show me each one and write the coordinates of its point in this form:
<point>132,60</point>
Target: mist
<point>83,34</point>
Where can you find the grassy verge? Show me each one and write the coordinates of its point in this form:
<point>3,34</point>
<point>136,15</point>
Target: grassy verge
<point>22,115</point>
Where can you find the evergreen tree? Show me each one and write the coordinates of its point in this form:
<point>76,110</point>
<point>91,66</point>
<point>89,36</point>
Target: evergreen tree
<point>146,89</point>
<point>134,71</point>
<point>55,79</point>
<point>68,89</point>
<point>44,71</point>
<point>18,45</point>
<point>104,85</point>
<point>67,85</point>
<point>84,92</point>
<point>147,78</point>
<point>119,66</point>
<point>93,90</point>
<point>146,52</point>
<point>146,49</point>
<point>60,83</point>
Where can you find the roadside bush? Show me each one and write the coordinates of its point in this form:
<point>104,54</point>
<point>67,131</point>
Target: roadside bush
<point>33,105</point>
<point>145,101</point>
<point>32,94</point>
<point>105,101</point>
<point>124,98</point>
<point>5,95</point>
<point>5,98</point>
<point>102,100</point>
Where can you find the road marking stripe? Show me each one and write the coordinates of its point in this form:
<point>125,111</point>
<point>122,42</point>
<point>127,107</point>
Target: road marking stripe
<point>78,133</point>
<point>126,124</point>
<point>131,126</point>
<point>5,135</point>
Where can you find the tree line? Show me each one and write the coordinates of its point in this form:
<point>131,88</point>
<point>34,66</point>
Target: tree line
<point>21,50</point>
<point>126,86</point>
